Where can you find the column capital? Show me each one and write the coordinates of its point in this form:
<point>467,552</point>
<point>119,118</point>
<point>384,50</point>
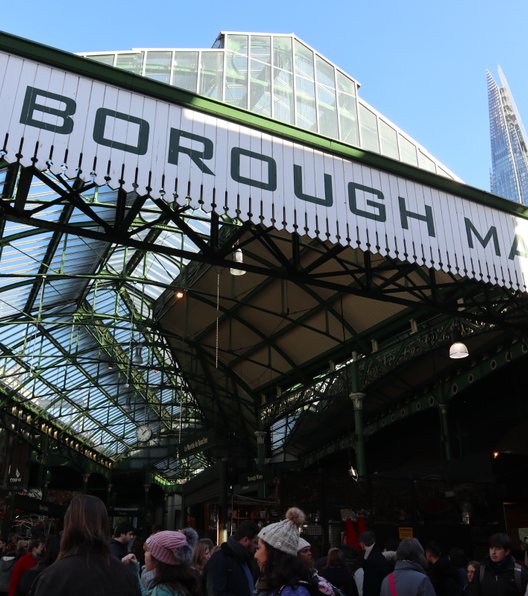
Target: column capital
<point>261,436</point>
<point>442,408</point>
<point>357,398</point>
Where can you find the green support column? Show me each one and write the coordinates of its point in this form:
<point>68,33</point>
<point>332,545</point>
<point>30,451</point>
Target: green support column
<point>261,437</point>
<point>147,516</point>
<point>86,478</point>
<point>42,469</point>
<point>357,399</point>
<point>225,521</point>
<point>446,438</point>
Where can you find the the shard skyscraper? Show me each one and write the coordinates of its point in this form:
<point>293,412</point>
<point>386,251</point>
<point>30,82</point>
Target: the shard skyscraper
<point>509,153</point>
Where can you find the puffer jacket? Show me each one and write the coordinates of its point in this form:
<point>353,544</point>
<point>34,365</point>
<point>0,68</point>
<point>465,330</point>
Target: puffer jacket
<point>410,579</point>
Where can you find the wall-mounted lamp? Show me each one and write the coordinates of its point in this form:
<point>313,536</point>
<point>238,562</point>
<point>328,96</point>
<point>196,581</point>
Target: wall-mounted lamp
<point>238,257</point>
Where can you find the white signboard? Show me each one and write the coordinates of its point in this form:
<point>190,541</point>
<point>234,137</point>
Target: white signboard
<point>77,126</point>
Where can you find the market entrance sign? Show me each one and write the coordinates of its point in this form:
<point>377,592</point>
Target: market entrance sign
<point>80,127</point>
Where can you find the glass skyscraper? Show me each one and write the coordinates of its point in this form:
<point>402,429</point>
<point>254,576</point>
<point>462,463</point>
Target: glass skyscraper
<point>283,78</point>
<point>509,153</point>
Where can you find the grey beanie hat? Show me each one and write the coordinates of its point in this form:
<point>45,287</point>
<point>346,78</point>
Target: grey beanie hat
<point>303,544</point>
<point>284,535</point>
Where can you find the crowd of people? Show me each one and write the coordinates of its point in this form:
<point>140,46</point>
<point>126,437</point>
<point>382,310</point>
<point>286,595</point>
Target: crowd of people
<point>274,560</point>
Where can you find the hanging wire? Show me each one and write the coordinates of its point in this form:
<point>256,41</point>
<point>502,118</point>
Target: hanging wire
<point>217,316</point>
<point>181,420</point>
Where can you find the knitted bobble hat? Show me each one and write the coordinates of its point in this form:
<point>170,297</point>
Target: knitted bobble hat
<point>284,535</point>
<point>170,547</point>
<point>303,544</point>
<point>192,536</point>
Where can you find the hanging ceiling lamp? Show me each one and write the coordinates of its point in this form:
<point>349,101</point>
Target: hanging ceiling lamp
<point>238,257</point>
<point>458,350</point>
<point>138,358</point>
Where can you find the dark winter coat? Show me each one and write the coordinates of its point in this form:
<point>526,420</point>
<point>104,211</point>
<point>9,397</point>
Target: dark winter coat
<point>28,577</point>
<point>375,568</point>
<point>498,579</point>
<point>77,575</point>
<point>224,575</point>
<point>6,566</point>
<point>118,549</point>
<point>410,579</point>
<point>341,578</point>
<point>444,578</point>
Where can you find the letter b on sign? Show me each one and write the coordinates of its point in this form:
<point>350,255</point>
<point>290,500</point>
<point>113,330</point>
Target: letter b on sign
<point>55,116</point>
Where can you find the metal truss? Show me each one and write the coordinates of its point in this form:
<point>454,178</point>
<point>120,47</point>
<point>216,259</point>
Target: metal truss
<point>111,296</point>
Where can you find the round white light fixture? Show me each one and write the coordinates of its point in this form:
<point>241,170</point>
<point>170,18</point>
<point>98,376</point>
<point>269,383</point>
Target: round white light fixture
<point>458,350</point>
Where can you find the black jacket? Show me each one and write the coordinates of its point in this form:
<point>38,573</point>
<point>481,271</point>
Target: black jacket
<point>341,578</point>
<point>498,579</point>
<point>444,578</point>
<point>85,576</point>
<point>375,568</point>
<point>224,573</point>
<point>118,549</point>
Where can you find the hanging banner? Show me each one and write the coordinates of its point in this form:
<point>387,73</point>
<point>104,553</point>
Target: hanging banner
<point>17,465</point>
<point>80,127</point>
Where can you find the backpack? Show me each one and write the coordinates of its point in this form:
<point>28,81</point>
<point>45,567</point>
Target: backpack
<point>517,574</point>
<point>313,588</point>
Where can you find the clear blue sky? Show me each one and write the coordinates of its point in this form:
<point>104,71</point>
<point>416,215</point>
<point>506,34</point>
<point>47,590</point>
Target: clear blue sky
<point>421,63</point>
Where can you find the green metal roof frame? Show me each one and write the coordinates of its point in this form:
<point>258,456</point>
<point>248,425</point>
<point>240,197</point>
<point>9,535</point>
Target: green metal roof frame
<point>279,259</point>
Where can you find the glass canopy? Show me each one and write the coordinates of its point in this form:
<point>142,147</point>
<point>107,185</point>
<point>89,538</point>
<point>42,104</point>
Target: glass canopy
<point>78,344</point>
<point>83,348</point>
<point>281,77</point>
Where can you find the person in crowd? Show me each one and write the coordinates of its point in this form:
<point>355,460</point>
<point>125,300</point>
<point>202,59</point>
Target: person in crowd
<point>375,565</point>
<point>169,553</point>
<point>22,545</point>
<point>282,571</point>
<point>50,555</point>
<point>147,572</point>
<point>358,578</point>
<point>123,536</point>
<point>147,576</point>
<point>409,577</point>
<point>443,574</point>
<point>499,574</point>
<point>85,565</point>
<point>459,561</point>
<point>304,552</point>
<point>25,562</point>
<point>337,573</point>
<point>389,551</point>
<point>7,562</point>
<point>231,571</point>
<point>202,554</point>
<point>471,568</point>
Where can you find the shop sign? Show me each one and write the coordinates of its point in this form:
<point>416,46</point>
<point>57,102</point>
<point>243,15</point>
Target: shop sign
<point>80,127</point>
